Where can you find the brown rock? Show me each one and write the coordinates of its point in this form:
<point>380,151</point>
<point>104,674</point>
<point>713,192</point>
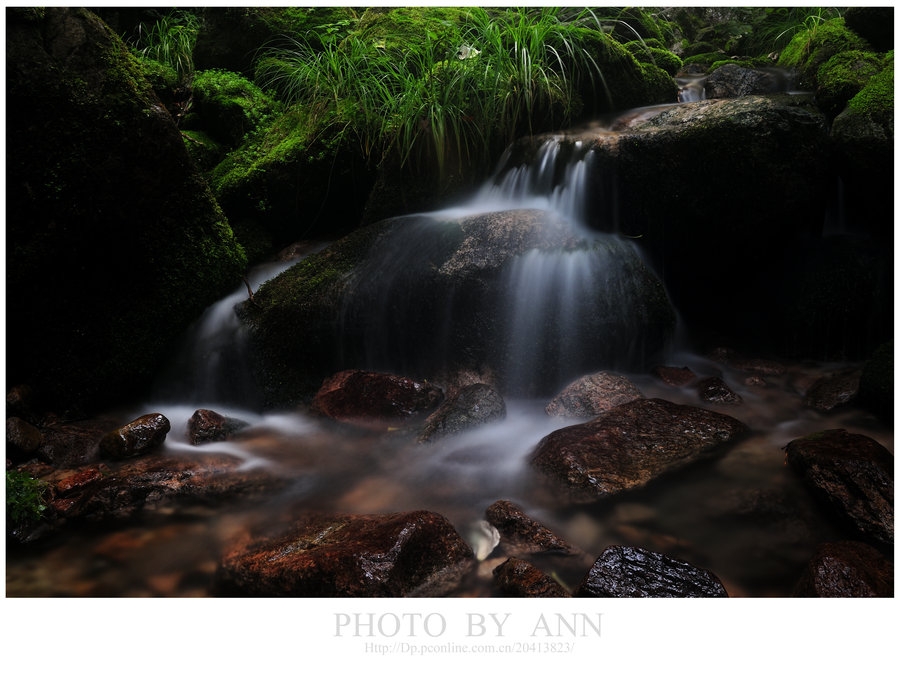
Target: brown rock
<point>347,555</point>
<point>847,569</point>
<point>592,394</point>
<point>470,407</point>
<point>627,572</point>
<point>206,426</point>
<point>833,390</point>
<point>521,534</point>
<point>674,376</point>
<point>141,436</point>
<point>374,399</point>
<point>630,445</point>
<point>22,439</point>
<point>520,579</point>
<point>714,390</point>
<point>853,475</point>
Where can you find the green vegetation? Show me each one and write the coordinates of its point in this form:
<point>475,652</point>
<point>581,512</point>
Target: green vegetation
<point>648,53</point>
<point>876,99</point>
<point>455,90</point>
<point>170,41</point>
<point>811,48</point>
<point>780,24</point>
<point>24,499</point>
<point>842,77</point>
<point>229,106</point>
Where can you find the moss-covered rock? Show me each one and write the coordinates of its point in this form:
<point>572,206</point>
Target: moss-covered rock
<point>398,27</point>
<point>228,106</point>
<point>666,60</point>
<point>115,243</point>
<point>842,77</point>
<point>811,48</point>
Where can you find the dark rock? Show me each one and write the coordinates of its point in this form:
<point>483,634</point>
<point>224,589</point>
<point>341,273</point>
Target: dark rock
<point>22,401</point>
<point>374,399</point>
<point>520,579</point>
<point>833,390</point>
<point>387,555</point>
<point>628,572</point>
<point>521,534</point>
<point>714,390</point>
<point>206,426</point>
<point>68,444</point>
<point>470,407</point>
<point>875,24</point>
<point>732,80</point>
<point>103,335</point>
<point>593,394</point>
<point>22,439</point>
<point>141,436</point>
<point>847,569</point>
<point>853,475</point>
<point>631,445</point>
<point>738,361</point>
<point>674,376</point>
<point>876,383</point>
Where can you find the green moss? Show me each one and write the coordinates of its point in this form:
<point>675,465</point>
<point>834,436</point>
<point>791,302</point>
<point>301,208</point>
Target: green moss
<point>398,27</point>
<point>811,48</point>
<point>757,62</point>
<point>659,86</point>
<point>705,59</point>
<point>205,151</point>
<point>25,499</point>
<point>230,106</point>
<point>671,63</point>
<point>842,77</point>
<point>876,99</point>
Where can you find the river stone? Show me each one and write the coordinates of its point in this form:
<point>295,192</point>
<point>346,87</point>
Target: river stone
<point>519,579</point>
<point>735,360</point>
<point>732,80</point>
<point>592,394</point>
<point>206,426</point>
<point>833,390</point>
<point>847,569</point>
<point>374,399</point>
<point>470,407</point>
<point>521,534</point>
<point>628,572</point>
<point>22,439</point>
<point>630,445</point>
<point>674,376</point>
<point>388,555</point>
<point>853,475</point>
<point>715,390</point>
<point>141,436</point>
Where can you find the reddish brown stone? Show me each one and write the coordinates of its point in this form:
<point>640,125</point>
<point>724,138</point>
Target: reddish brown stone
<point>714,390</point>
<point>519,579</point>
<point>374,399</point>
<point>847,569</point>
<point>206,426</point>
<point>675,376</point>
<point>143,435</point>
<point>592,394</point>
<point>522,534</point>
<point>392,555</point>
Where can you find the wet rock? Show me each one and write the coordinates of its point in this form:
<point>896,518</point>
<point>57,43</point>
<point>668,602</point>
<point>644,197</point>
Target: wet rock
<point>73,444</point>
<point>374,399</point>
<point>674,376</point>
<point>628,572</point>
<point>387,555</point>
<point>592,394</point>
<point>714,390</point>
<point>833,390</point>
<point>631,445</point>
<point>472,406</point>
<point>520,579</point>
<point>736,360</point>
<point>853,475</point>
<point>847,569</point>
<point>22,439</point>
<point>521,534</point>
<point>732,80</point>
<point>141,436</point>
<point>206,426</point>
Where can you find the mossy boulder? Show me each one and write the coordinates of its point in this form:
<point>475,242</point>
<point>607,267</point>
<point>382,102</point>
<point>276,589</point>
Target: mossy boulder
<point>229,106</point>
<point>666,60</point>
<point>115,242</point>
<point>809,49</point>
<point>842,77</point>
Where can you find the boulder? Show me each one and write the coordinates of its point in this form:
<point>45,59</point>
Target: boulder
<point>141,436</point>
<point>631,445</point>
<point>110,204</point>
<point>472,406</point>
<point>833,390</point>
<point>851,474</point>
<point>593,394</point>
<point>22,439</point>
<point>846,569</point>
<point>374,399</point>
<point>628,572</point>
<point>732,80</point>
<point>519,579</point>
<point>674,376</point>
<point>520,534</point>
<point>206,426</point>
<point>388,555</point>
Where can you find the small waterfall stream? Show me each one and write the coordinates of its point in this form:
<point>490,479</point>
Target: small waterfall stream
<point>698,518</point>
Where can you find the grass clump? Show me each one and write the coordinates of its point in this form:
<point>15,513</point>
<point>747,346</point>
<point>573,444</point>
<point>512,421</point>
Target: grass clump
<point>170,41</point>
<point>24,499</point>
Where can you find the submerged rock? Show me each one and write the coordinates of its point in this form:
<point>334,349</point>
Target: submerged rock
<point>386,555</point>
<point>847,569</point>
<point>593,394</point>
<point>472,406</point>
<point>141,436</point>
<point>374,399</point>
<point>631,445</point>
<point>628,572</point>
<point>853,475</point>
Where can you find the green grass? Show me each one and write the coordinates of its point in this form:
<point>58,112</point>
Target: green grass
<point>449,95</point>
<point>170,41</point>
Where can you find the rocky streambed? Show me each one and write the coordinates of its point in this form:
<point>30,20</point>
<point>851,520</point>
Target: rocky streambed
<point>716,476</point>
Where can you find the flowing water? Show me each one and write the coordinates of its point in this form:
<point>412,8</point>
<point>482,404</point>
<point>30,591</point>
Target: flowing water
<point>744,515</point>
